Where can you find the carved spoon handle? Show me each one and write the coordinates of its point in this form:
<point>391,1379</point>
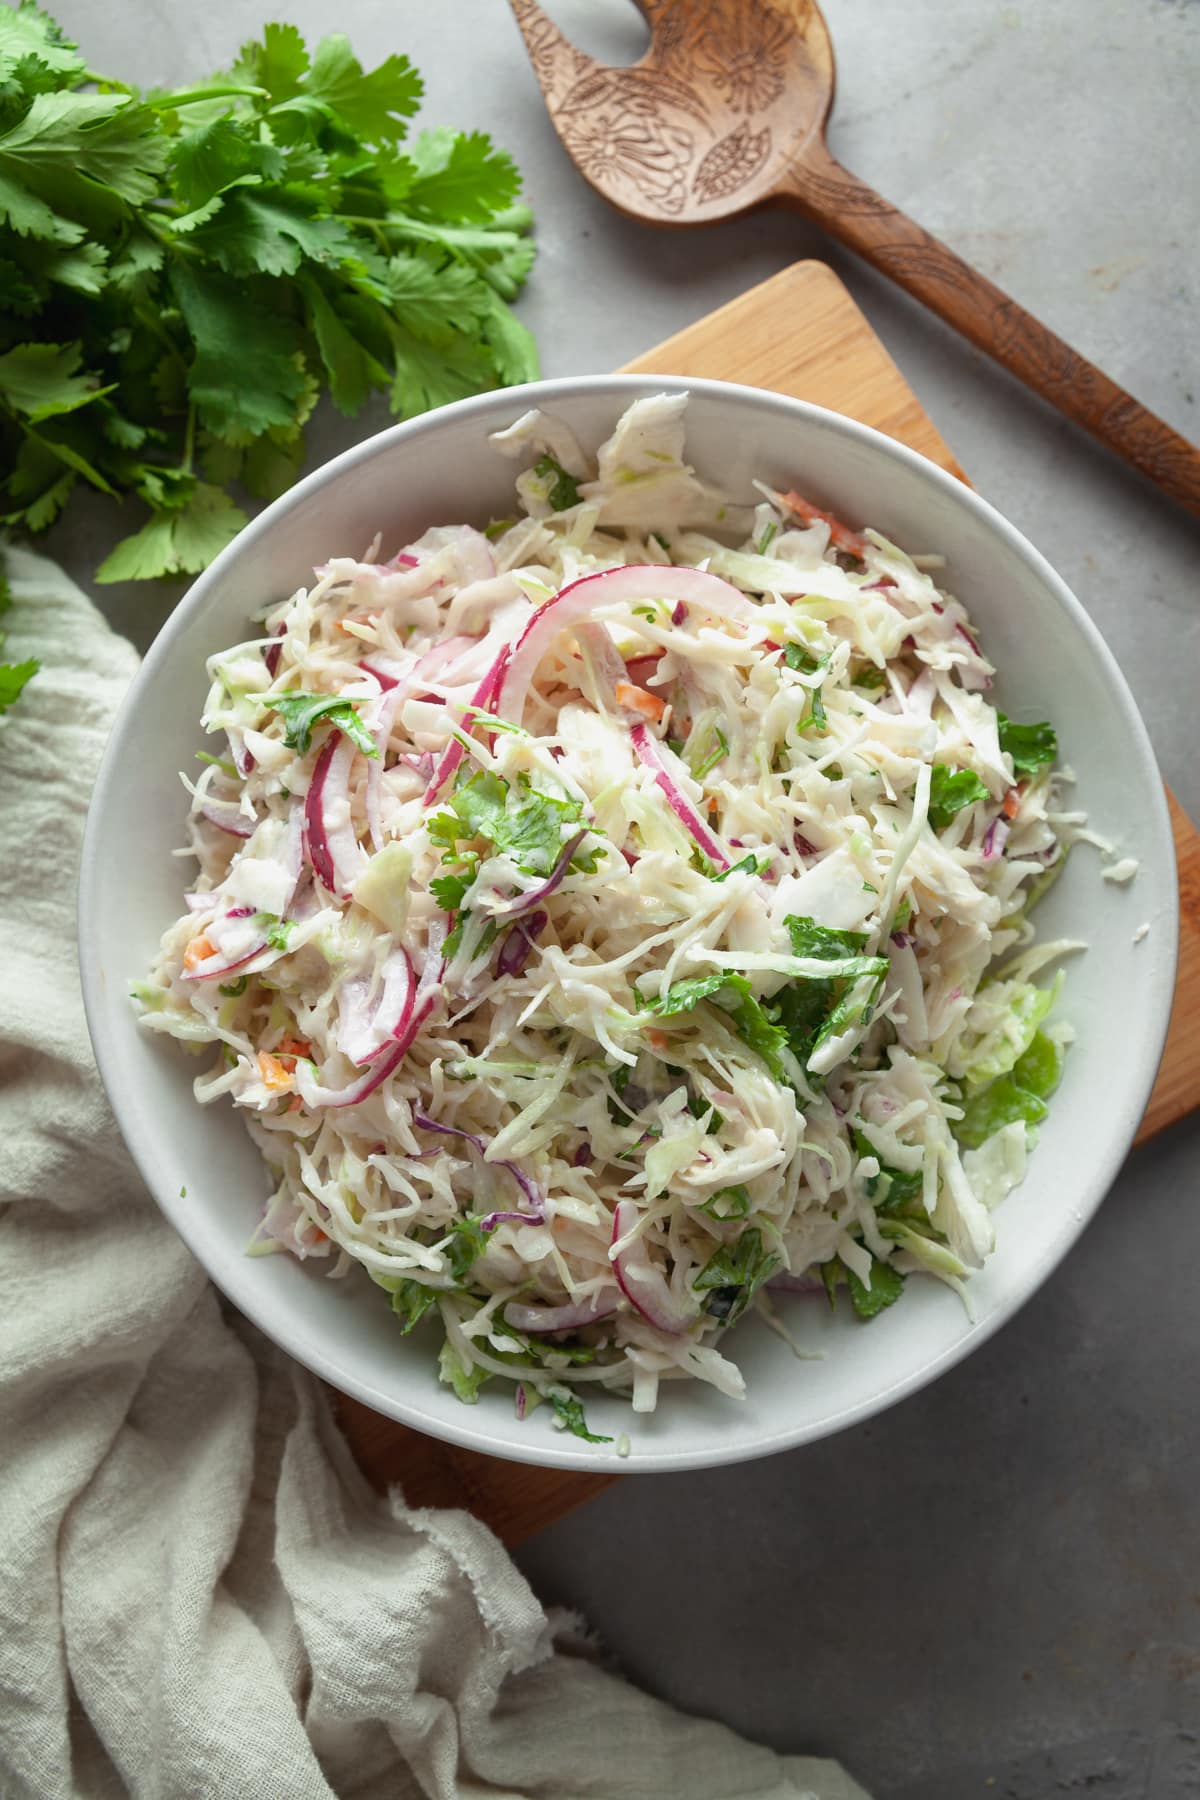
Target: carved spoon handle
<point>861,218</point>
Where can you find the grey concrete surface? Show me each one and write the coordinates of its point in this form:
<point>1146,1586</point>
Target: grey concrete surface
<point>994,1589</point>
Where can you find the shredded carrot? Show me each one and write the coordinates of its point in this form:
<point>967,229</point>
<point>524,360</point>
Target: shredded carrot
<point>198,951</point>
<point>657,1040</point>
<point>293,1046</point>
<point>840,536</point>
<point>1011,804</point>
<point>274,1073</point>
<point>649,705</point>
<point>294,1104</point>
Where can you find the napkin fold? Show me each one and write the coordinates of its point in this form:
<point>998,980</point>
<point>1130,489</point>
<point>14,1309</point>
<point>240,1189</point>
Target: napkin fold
<point>199,1593</point>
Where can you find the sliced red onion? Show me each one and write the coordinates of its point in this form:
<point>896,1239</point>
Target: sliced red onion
<point>517,947</point>
<point>680,612</point>
<point>387,671</point>
<point>520,1399</point>
<point>583,1157</point>
<point>518,1174</point>
<point>650,754</point>
<point>611,587</point>
<point>243,760</point>
<point>903,940</point>
<point>533,897</point>
<point>378,720</point>
<point>365,1027</point>
<point>964,633</point>
<point>802,844</point>
<point>484,697</point>
<point>222,962</point>
<point>228,817</point>
<point>643,1285</point>
<point>313,1094</point>
<point>995,838</point>
<point>569,1317</point>
<point>274,650</point>
<point>333,851</point>
<point>639,669</point>
<point>403,560</point>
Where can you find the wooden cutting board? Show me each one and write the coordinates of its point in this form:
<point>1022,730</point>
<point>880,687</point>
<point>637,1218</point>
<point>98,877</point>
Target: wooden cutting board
<point>800,334</point>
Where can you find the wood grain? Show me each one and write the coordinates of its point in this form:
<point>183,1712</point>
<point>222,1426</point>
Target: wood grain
<point>727,111</point>
<point>800,334</point>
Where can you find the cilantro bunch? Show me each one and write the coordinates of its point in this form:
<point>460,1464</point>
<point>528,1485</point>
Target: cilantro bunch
<point>182,275</point>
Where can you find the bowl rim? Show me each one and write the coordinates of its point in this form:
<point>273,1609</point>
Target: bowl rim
<point>280,1322</point>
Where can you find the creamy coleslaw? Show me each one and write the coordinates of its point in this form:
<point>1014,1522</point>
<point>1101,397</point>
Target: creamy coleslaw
<point>611,920</point>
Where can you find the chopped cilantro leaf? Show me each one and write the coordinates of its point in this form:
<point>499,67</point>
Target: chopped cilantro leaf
<point>569,1409</point>
<point>300,712</point>
<point>563,490</point>
<point>733,995</point>
<point>14,678</point>
<point>949,791</point>
<point>411,1301</point>
<point>467,1243</point>
<point>727,1203</point>
<point>892,1190</point>
<point>733,1275</point>
<point>1030,746</point>
<point>524,823</point>
<point>887,1285</point>
<point>448,890</point>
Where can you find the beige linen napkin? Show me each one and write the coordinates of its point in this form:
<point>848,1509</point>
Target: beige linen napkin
<point>199,1594</point>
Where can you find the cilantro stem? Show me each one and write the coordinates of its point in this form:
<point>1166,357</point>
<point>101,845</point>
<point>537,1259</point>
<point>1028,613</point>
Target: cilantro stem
<point>189,441</point>
<point>210,90</point>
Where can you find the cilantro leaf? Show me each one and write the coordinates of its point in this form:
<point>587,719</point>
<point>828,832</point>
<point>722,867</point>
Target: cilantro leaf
<point>14,678</point>
<point>732,993</point>
<point>569,1409</point>
<point>887,1285</point>
<point>27,32</point>
<point>733,1275</point>
<point>525,823</point>
<point>813,1009</point>
<point>1030,746</point>
<point>225,265</point>
<point>39,380</point>
<point>892,1190</point>
<point>300,712</point>
<point>461,176</point>
<point>822,942</point>
<point>466,1245</point>
<point>411,1301</point>
<point>1022,1093</point>
<point>949,791</point>
<point>564,489</point>
<point>183,540</point>
<point>727,1203</point>
<point>448,890</point>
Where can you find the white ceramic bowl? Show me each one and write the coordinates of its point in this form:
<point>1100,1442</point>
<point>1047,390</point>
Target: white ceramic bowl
<point>1053,664</point>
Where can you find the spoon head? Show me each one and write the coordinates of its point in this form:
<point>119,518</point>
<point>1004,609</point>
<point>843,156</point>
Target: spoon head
<point>708,123</point>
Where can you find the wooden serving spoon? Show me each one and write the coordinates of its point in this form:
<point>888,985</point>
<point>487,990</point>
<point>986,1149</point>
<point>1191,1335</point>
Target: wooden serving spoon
<point>727,110</point>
